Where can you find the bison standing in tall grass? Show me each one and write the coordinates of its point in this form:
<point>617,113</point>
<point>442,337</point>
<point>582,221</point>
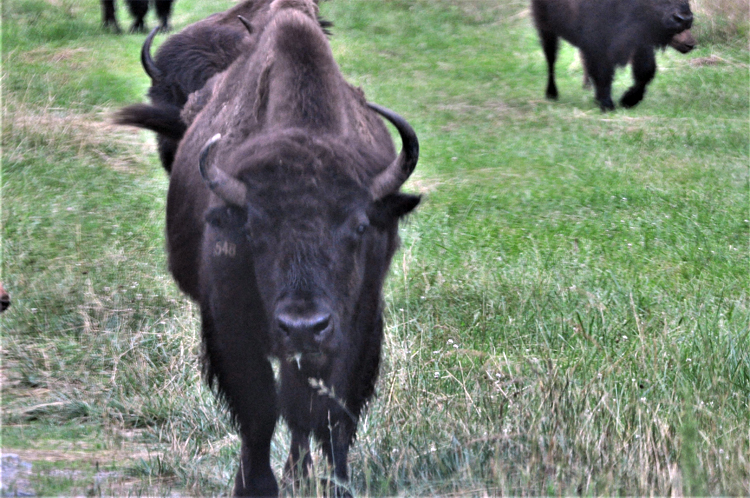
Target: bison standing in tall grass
<point>610,33</point>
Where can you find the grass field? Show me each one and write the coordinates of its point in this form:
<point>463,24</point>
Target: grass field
<point>568,314</point>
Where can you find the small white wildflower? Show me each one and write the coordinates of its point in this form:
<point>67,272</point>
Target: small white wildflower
<point>689,360</point>
<point>455,346</point>
<point>437,375</point>
<point>643,400</point>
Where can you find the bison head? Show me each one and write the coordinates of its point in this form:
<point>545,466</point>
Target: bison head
<point>675,16</point>
<point>314,237</point>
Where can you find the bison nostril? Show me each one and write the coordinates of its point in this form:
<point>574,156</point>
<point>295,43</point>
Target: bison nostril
<point>321,325</point>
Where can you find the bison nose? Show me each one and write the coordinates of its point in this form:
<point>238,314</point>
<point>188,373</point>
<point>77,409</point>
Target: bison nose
<point>315,326</point>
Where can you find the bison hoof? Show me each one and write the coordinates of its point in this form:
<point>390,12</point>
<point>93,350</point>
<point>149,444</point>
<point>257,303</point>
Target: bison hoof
<point>551,93</point>
<point>631,98</point>
<point>607,105</point>
<point>138,28</point>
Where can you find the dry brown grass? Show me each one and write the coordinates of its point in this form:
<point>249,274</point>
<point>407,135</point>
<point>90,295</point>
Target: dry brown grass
<point>27,127</point>
<point>721,20</point>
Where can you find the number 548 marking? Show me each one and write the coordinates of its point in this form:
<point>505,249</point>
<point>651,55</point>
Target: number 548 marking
<point>225,249</point>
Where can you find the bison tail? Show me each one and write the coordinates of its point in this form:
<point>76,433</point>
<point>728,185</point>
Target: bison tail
<point>164,120</point>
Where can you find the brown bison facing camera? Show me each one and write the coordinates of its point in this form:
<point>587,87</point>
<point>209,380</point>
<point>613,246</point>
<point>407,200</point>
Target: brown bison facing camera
<point>282,219</point>
<point>610,33</point>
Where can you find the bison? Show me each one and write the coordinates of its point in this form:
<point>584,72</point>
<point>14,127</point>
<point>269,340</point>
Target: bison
<point>610,33</point>
<point>282,219</point>
<point>138,9</point>
<point>184,63</point>
<point>682,42</point>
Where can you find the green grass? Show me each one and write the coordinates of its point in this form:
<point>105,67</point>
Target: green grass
<point>568,313</point>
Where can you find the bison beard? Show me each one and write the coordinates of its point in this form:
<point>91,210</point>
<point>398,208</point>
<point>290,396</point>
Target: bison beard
<point>282,219</point>
<point>610,33</point>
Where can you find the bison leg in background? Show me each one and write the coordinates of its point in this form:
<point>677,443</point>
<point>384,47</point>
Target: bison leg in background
<point>138,9</point>
<point>239,369</point>
<point>163,11</point>
<point>109,19</point>
<point>602,72</point>
<point>644,69</point>
<point>550,44</point>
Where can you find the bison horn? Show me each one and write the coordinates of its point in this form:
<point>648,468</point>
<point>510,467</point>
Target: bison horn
<point>148,63</point>
<point>247,24</point>
<point>229,189</point>
<point>401,168</point>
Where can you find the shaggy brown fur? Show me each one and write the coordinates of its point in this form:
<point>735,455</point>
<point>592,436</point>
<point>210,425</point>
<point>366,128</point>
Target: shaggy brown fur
<point>610,33</point>
<point>185,62</point>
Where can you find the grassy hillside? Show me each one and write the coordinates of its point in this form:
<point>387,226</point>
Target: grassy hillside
<point>568,314</point>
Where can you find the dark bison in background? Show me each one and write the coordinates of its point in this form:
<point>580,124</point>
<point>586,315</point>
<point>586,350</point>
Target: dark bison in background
<point>682,42</point>
<point>282,219</point>
<point>183,64</point>
<point>138,9</point>
<point>610,33</point>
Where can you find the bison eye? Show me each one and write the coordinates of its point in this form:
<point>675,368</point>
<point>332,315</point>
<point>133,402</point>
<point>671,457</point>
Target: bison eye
<point>362,228</point>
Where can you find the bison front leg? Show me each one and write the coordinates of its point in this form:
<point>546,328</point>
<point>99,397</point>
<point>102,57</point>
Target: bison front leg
<point>109,17</point>
<point>238,367</point>
<point>549,45</point>
<point>138,9</point>
<point>601,71</point>
<point>163,11</point>
<point>644,69</point>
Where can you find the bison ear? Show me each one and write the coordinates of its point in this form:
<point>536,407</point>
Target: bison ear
<point>392,207</point>
<point>226,217</point>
